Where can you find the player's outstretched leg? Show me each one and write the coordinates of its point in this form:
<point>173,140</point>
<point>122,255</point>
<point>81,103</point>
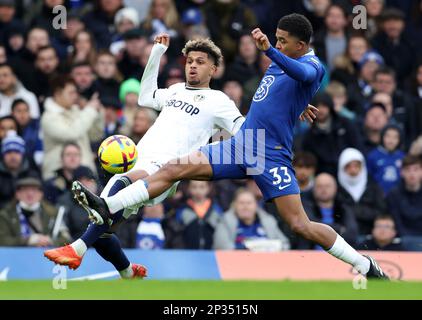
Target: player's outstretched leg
<point>194,166</point>
<point>291,210</point>
<point>108,246</point>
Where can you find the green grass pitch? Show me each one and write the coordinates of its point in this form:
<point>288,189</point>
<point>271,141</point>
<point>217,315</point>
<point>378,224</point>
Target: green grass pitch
<point>209,290</point>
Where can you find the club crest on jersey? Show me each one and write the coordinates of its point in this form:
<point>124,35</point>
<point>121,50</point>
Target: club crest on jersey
<point>263,88</point>
<point>198,97</point>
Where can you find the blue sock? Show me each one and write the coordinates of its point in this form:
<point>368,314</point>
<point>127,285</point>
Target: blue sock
<point>94,231</point>
<point>109,248</point>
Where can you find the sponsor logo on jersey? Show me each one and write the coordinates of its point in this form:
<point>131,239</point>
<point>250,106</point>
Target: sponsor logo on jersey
<point>198,97</point>
<point>183,106</point>
<point>263,89</point>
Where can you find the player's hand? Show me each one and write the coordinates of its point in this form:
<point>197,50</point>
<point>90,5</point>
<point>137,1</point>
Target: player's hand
<point>162,38</point>
<point>261,40</point>
<point>309,114</point>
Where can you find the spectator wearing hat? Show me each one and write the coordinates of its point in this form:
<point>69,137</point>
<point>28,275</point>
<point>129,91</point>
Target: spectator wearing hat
<point>11,88</point>
<point>128,95</point>
<point>193,24</point>
<point>100,21</point>
<point>29,220</point>
<point>135,43</point>
<point>125,19</point>
<point>75,216</point>
<point>64,121</point>
<point>394,45</point>
<point>63,177</point>
<point>358,191</point>
<point>30,131</point>
<point>360,91</point>
<point>333,132</point>
<point>13,163</point>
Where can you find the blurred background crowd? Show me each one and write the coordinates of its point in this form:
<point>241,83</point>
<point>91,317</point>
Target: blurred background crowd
<point>62,91</point>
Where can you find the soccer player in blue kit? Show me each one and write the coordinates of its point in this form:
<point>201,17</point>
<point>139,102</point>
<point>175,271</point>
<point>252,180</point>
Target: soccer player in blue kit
<point>262,148</point>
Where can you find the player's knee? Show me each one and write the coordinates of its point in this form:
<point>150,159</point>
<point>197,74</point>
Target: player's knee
<point>172,172</point>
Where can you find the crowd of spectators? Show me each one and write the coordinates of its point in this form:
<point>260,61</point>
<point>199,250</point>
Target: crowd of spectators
<point>64,90</point>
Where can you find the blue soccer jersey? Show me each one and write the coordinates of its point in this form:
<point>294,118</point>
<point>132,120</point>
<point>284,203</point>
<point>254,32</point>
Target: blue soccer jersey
<point>284,92</point>
<point>262,148</point>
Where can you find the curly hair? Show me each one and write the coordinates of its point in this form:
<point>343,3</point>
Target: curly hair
<point>204,45</point>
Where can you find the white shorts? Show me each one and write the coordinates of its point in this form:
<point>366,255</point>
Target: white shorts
<point>149,167</point>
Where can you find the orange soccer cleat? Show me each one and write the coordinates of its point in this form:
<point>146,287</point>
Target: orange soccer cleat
<point>65,256</point>
<point>139,271</point>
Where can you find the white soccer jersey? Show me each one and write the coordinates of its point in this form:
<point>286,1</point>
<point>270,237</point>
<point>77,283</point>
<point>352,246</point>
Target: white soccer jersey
<point>188,116</point>
<point>188,119</point>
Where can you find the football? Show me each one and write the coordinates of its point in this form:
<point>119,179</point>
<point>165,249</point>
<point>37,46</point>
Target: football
<point>117,154</point>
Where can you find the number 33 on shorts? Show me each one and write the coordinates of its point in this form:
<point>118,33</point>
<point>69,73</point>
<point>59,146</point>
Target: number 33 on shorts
<point>281,175</point>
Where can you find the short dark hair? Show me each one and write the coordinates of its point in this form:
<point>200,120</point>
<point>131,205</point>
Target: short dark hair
<point>392,14</point>
<point>204,45</point>
<point>296,25</point>
<point>59,82</point>
<point>18,101</point>
<point>80,64</point>
<point>47,47</point>
<point>410,160</point>
<point>385,70</point>
<point>384,216</point>
<point>305,159</point>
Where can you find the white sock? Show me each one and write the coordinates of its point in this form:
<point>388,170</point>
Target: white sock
<point>133,194</point>
<point>127,273</point>
<point>343,251</point>
<point>80,247</point>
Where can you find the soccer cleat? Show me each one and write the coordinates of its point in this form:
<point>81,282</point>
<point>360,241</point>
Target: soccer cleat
<point>139,271</point>
<point>95,206</point>
<point>375,271</point>
<point>65,256</point>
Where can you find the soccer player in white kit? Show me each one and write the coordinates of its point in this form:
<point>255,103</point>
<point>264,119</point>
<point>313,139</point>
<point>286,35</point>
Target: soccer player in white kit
<point>189,114</point>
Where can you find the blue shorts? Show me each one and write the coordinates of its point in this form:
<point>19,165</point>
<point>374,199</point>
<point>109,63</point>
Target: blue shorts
<point>272,171</point>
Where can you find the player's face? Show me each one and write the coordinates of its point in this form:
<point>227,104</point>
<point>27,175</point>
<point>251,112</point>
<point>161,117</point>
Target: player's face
<point>199,69</point>
<point>287,44</point>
